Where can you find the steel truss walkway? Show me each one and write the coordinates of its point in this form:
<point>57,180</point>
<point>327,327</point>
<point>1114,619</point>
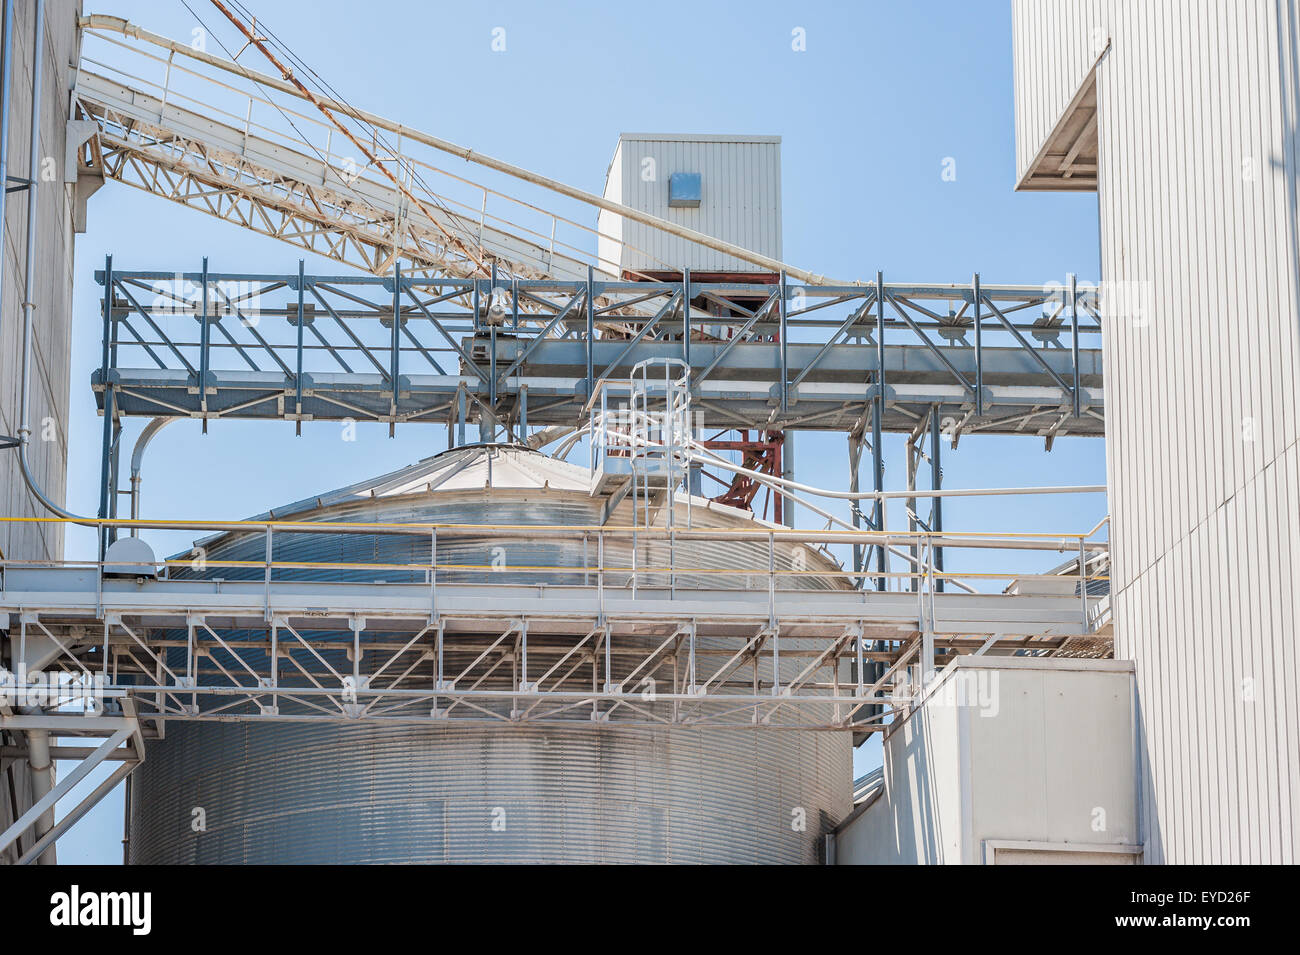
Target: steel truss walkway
<point>320,174</point>
<point>629,645</point>
<point>520,353</point>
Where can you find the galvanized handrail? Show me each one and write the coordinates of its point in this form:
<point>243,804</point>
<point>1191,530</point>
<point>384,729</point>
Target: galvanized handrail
<point>636,575</point>
<point>1031,540</point>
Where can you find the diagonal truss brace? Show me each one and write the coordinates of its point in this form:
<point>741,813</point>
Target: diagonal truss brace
<point>121,730</point>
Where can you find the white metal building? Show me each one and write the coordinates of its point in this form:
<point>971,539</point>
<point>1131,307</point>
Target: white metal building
<point>60,211</point>
<point>52,321</point>
<point>1007,761</point>
<point>1183,117</point>
<point>727,187</point>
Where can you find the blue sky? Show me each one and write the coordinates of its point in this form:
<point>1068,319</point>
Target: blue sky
<point>883,93</point>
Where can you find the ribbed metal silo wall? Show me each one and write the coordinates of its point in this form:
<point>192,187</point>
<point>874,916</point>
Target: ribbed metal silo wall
<point>304,793</point>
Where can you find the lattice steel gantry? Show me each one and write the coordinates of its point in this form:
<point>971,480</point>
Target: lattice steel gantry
<point>863,360</point>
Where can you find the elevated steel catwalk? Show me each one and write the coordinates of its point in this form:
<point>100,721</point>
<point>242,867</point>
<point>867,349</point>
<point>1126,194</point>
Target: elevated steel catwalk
<point>254,150</point>
<point>648,645</point>
<point>315,201</point>
<point>518,354</point>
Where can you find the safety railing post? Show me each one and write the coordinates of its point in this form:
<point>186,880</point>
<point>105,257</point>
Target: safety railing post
<point>110,332</point>
<point>672,554</point>
<point>609,661</point>
<point>600,571</point>
<point>926,591</point>
<point>440,680</point>
<point>858,650</point>
<point>1074,342</point>
<point>204,342</point>
<point>776,660</point>
<point>771,577</point>
<point>482,218</point>
<point>191,664</point>
<point>919,570</point>
<point>433,573</point>
<point>1083,586</point>
<point>266,581</point>
<point>167,85</point>
<point>692,679</point>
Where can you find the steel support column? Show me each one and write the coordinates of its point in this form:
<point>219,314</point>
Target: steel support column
<point>591,335</point>
<point>106,366</point>
<point>784,346</point>
<point>297,378</point>
<point>205,341</point>
<point>936,483</point>
<point>877,429</point>
<point>979,347</point>
<point>395,346</point>
<point>686,317</point>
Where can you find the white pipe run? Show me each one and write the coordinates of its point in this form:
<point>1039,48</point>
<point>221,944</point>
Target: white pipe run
<point>698,449</point>
<point>42,769</point>
<point>803,502</point>
<point>764,478</point>
<point>137,459</point>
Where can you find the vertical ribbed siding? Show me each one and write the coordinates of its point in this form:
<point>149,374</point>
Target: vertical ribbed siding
<point>740,200</point>
<point>52,320</point>
<point>1197,135</point>
<point>1054,48</point>
<point>296,793</point>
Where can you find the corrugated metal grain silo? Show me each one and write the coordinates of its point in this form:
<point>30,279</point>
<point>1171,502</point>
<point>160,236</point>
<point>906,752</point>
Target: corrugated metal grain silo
<point>338,792</point>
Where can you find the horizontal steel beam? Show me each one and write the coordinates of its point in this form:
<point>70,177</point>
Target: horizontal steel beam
<point>312,650</point>
<point>557,400</point>
<point>257,364</point>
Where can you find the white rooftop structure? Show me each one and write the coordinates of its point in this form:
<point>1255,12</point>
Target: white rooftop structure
<point>727,187</point>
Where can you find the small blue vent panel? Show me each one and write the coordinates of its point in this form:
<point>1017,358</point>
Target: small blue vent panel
<point>684,190</point>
